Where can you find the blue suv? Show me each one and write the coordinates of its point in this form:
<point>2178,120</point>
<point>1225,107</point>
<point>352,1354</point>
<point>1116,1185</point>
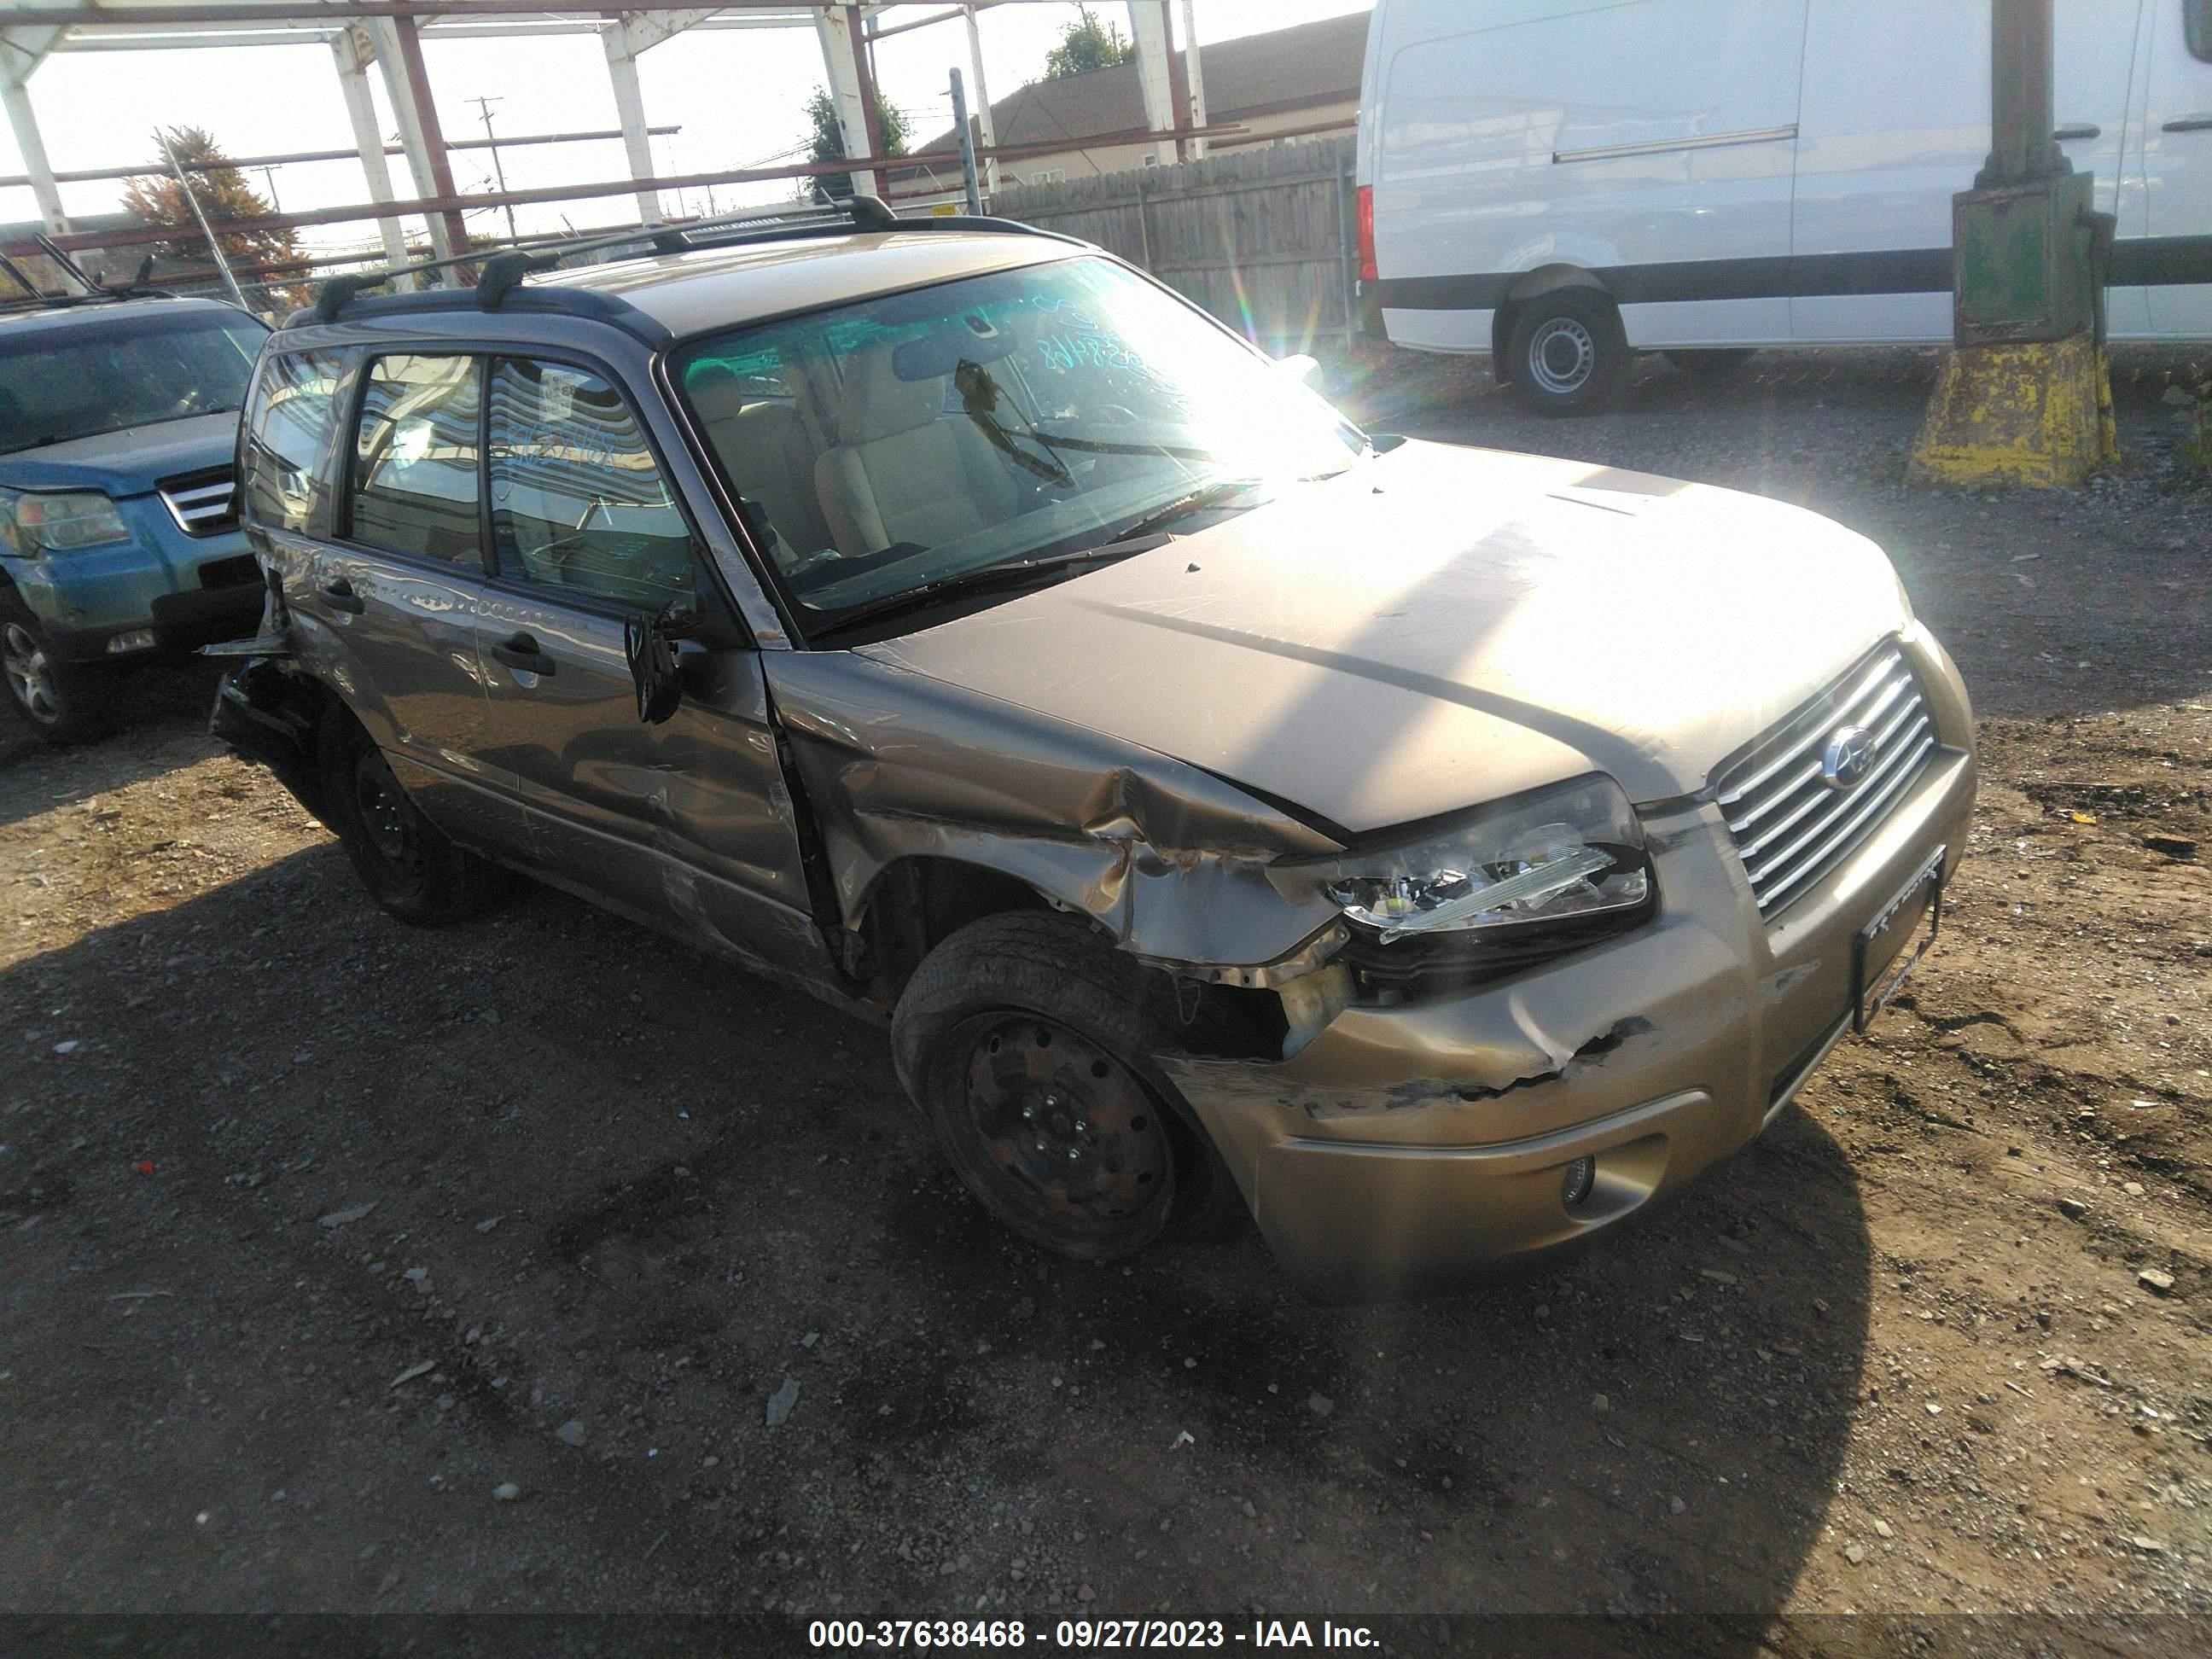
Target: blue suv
<point>119,519</point>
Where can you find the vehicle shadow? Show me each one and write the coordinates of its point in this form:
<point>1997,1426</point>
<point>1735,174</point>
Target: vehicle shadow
<point>1654,1425</point>
<point>162,724</point>
<point>695,1169</point>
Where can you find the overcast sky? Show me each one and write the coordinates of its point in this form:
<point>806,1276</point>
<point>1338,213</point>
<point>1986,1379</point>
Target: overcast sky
<point>738,96</point>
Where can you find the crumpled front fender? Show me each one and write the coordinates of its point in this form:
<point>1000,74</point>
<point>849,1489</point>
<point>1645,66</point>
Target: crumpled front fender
<point>1169,860</point>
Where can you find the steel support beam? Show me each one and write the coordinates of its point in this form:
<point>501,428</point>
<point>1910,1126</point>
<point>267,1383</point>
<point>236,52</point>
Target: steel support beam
<point>625,40</point>
<point>399,52</point>
<point>22,52</point>
<point>254,163</point>
<point>1193,76</point>
<point>1155,73</point>
<point>630,111</point>
<point>353,214</point>
<point>987,138</point>
<point>838,29</point>
<point>352,53</point>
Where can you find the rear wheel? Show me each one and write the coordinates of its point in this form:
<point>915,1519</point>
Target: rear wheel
<point>1027,1041</point>
<point>1567,351</point>
<point>58,701</point>
<point>407,863</point>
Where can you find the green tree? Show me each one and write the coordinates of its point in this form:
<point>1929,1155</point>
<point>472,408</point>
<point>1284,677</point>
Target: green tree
<point>826,142</point>
<point>1086,45</point>
<point>224,196</point>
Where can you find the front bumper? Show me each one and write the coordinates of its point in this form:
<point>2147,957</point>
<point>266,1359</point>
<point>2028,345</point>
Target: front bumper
<point>186,590</point>
<point>1405,1148</point>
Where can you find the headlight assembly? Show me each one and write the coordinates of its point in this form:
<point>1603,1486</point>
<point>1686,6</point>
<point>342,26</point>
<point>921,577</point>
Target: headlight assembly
<point>41,522</point>
<point>1564,854</point>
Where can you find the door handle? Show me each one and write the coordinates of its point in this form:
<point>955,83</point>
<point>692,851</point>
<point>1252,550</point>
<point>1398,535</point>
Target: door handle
<point>340,596</point>
<point>521,652</point>
<point>2079,130</point>
<point>2189,124</point>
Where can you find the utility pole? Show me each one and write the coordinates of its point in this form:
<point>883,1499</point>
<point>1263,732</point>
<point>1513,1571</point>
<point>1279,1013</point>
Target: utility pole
<point>483,108</point>
<point>2023,397</point>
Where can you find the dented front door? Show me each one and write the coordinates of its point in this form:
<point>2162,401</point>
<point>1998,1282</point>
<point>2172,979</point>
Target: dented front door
<point>684,823</point>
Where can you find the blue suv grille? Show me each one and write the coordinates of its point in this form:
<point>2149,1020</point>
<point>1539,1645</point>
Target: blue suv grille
<point>202,503</point>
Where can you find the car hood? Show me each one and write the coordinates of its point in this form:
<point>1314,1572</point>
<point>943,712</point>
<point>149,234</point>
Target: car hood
<point>125,463</point>
<point>1439,627</point>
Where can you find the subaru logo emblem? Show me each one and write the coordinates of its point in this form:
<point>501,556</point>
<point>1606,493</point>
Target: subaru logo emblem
<point>1847,758</point>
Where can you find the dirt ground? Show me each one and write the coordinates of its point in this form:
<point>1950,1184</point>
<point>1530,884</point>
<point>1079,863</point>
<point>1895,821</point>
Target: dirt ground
<point>315,1231</point>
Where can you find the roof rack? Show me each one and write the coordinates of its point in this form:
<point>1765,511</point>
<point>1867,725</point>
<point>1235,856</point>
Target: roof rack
<point>499,272</point>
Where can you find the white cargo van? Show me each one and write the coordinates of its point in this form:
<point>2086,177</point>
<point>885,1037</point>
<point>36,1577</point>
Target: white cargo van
<point>1564,183</point>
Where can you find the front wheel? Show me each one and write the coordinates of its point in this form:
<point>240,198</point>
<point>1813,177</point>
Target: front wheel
<point>1027,1041</point>
<point>407,863</point>
<point>1567,351</point>
<point>58,701</point>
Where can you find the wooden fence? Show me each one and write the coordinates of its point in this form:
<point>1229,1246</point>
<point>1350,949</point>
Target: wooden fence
<point>1260,238</point>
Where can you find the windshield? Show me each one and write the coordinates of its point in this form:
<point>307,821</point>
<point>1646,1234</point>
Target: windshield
<point>91,376</point>
<point>891,446</point>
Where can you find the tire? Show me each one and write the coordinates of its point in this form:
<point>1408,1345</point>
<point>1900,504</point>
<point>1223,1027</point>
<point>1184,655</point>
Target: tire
<point>61,702</point>
<point>410,868</point>
<point>1027,1041</point>
<point>1566,351</point>
<point>1712,363</point>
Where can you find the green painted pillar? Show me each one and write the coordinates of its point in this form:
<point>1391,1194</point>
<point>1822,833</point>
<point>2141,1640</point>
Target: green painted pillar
<point>2023,397</point>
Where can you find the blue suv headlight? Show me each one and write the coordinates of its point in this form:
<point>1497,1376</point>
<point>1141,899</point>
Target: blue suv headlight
<point>57,521</point>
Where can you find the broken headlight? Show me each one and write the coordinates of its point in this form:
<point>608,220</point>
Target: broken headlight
<point>1562,854</point>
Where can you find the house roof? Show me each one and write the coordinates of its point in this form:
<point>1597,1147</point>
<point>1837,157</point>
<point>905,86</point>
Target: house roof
<point>1315,63</point>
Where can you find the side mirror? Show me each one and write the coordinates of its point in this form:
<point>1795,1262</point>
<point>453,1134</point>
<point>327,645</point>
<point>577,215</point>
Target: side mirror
<point>1300,366</point>
<point>650,644</point>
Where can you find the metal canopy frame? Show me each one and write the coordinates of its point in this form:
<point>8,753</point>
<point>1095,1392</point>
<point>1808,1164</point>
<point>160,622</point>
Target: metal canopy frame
<point>388,35</point>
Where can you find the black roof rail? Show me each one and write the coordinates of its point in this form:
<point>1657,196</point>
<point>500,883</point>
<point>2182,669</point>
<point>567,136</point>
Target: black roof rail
<point>499,272</point>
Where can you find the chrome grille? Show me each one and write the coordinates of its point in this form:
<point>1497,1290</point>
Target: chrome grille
<point>202,503</point>
<point>1790,821</point>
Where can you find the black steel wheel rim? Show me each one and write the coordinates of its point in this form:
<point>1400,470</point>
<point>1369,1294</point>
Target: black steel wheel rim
<point>1067,1138</point>
<point>387,816</point>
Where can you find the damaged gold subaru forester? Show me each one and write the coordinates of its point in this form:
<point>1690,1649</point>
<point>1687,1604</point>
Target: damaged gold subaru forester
<point>1438,853</point>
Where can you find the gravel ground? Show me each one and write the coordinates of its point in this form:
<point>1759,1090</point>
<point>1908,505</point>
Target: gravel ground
<point>347,1268</point>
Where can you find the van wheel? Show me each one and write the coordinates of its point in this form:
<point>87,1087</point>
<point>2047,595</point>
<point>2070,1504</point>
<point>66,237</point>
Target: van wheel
<point>1567,351</point>
<point>410,868</point>
<point>1027,1041</point>
<point>61,702</point>
<point>1712,363</point>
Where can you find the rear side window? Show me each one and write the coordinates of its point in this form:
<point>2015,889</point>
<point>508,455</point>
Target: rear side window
<point>288,429</point>
<point>2196,23</point>
<point>414,475</point>
<point>577,496</point>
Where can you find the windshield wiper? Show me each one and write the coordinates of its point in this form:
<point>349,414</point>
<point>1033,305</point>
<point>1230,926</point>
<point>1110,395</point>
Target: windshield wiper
<point>1184,506</point>
<point>986,579</point>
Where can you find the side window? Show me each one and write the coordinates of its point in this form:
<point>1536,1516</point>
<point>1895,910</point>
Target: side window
<point>288,424</point>
<point>2196,23</point>
<point>577,498</point>
<point>414,487</point>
